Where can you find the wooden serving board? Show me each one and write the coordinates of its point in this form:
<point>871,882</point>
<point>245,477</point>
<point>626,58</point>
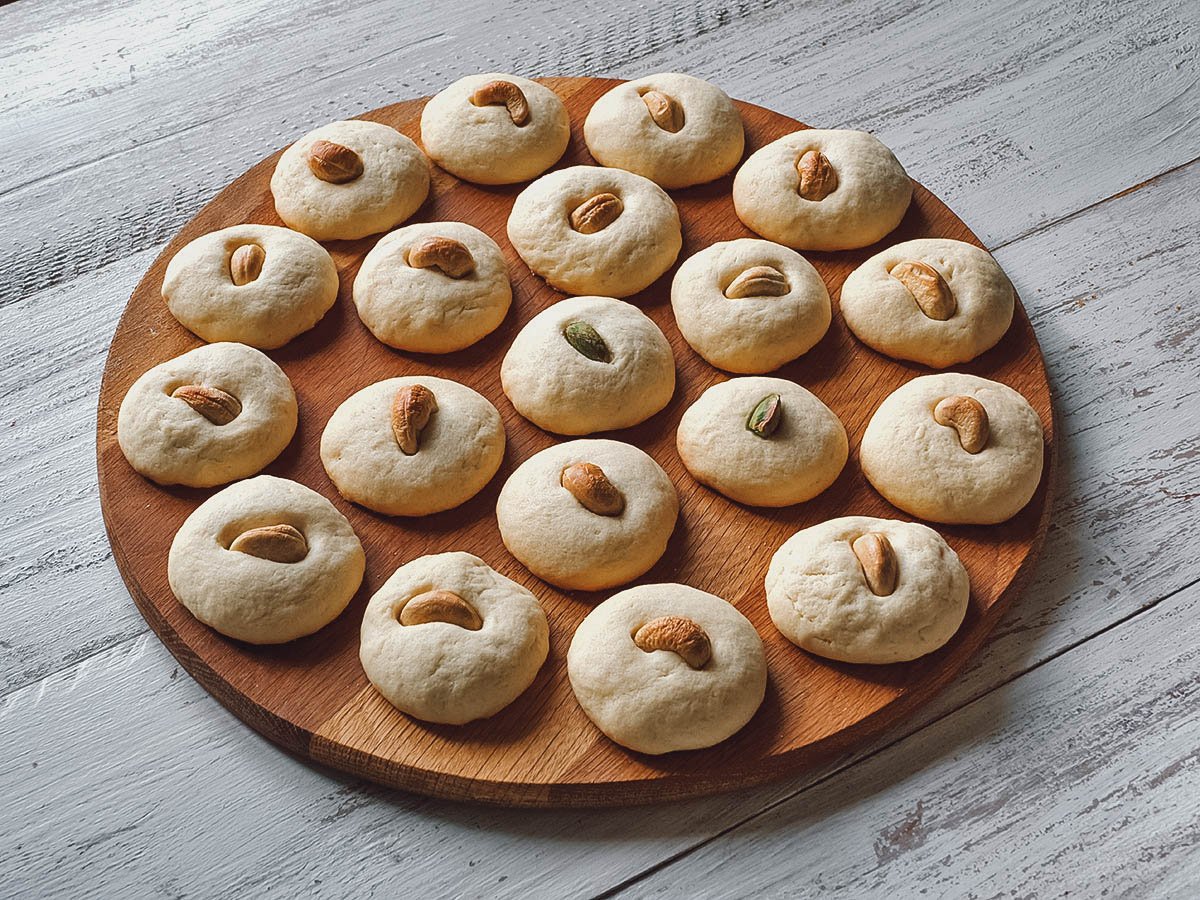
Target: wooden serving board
<point>311,695</point>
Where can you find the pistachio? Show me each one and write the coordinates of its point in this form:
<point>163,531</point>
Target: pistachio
<point>764,419</point>
<point>586,340</point>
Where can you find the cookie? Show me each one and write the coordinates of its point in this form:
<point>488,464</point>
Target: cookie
<point>347,180</point>
<point>588,364</point>
<point>256,284</point>
<point>495,128</point>
<point>933,301</point>
<point>749,306</point>
<point>589,230</point>
<point>265,561</point>
<point>864,590</point>
<point>210,416</point>
<point>664,667</point>
<point>587,515</point>
<point>674,129</point>
<point>822,190</point>
<point>448,639</point>
<point>412,446</point>
<point>954,448</point>
<point>435,287</point>
<point>762,441</point>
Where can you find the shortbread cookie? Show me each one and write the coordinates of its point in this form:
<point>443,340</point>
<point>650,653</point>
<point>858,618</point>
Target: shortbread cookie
<point>674,129</point>
<point>954,448</point>
<point>865,590</point>
<point>435,287</point>
<point>664,667</point>
<point>265,561</point>
<point>448,639</point>
<point>762,441</point>
<point>589,230</point>
<point>589,364</point>
<point>346,180</point>
<point>822,190</point>
<point>213,415</point>
<point>750,306</point>
<point>495,128</point>
<point>935,301</point>
<point>413,446</point>
<point>587,515</point>
<point>256,284</point>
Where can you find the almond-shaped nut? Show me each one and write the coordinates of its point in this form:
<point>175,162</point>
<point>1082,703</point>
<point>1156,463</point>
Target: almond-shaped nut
<point>818,178</point>
<point>930,291</point>
<point>440,606</point>
<point>277,543</point>
<point>758,281</point>
<point>503,93</point>
<point>214,404</point>
<point>880,567</point>
<point>665,110</point>
<point>587,341</point>
<point>412,408</point>
<point>764,419</point>
<point>334,163</point>
<point>246,263</point>
<point>451,257</point>
<point>596,213</point>
<point>967,416</point>
<point>678,634</point>
<point>588,484</point>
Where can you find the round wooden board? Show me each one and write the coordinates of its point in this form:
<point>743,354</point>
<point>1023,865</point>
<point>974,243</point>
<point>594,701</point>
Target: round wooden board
<point>311,695</point>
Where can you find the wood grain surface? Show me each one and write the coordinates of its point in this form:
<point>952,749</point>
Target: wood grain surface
<point>311,695</point>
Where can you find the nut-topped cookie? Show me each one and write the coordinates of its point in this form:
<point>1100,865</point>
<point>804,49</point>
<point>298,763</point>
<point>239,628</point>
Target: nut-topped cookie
<point>589,364</point>
<point>866,590</point>
<point>495,128</point>
<point>822,190</point>
<point>448,639</point>
<point>665,667</point>
<point>590,230</point>
<point>954,448</point>
<point>209,416</point>
<point>674,129</point>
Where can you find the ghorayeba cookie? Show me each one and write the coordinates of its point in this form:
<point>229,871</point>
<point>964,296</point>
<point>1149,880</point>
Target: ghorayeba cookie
<point>265,561</point>
<point>935,301</point>
<point>448,639</point>
<point>589,230</point>
<point>435,287</point>
<point>589,364</point>
<point>822,190</point>
<point>347,180</point>
<point>495,128</point>
<point>256,284</point>
<point>212,415</point>
<point>866,590</point>
<point>674,129</point>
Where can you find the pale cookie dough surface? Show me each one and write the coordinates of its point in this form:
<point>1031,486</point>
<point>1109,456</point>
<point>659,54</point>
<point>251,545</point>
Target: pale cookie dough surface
<point>458,451</point>
<point>921,467</point>
<point>296,287</point>
<point>442,672</point>
<point>257,600</point>
<point>749,335</point>
<point>561,390</point>
<point>482,144</point>
<point>169,442</point>
<point>621,259</point>
<point>620,132</point>
<point>819,599</point>
<point>801,458</point>
<point>883,314</point>
<point>872,193</point>
<point>393,185</point>
<point>654,702</point>
<point>424,309</point>
<point>564,543</point>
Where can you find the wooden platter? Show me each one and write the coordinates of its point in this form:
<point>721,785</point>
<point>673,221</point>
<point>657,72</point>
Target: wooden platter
<point>311,696</point>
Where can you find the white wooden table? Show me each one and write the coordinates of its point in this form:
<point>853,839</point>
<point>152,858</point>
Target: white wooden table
<point>1067,759</point>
